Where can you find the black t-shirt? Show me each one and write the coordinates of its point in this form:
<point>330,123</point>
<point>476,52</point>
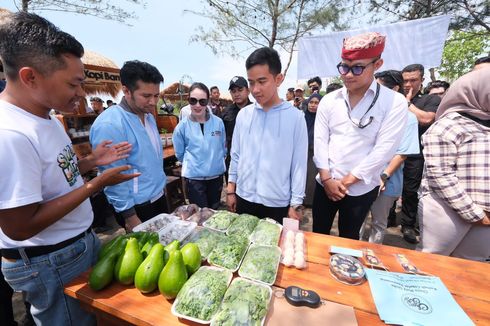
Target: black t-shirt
<point>229,118</point>
<point>427,103</point>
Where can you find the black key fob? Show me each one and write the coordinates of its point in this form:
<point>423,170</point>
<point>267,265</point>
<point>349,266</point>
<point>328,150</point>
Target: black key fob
<point>297,296</point>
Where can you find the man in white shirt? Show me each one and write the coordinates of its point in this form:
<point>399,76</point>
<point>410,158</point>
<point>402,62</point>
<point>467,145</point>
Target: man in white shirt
<point>357,130</point>
<point>45,215</point>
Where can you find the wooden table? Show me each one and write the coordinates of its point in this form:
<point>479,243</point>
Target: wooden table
<point>468,282</point>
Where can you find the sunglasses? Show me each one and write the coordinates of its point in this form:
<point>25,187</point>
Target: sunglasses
<point>356,70</point>
<point>202,101</point>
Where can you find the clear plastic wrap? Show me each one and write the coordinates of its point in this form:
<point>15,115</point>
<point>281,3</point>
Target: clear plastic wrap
<point>156,223</point>
<point>185,211</point>
<point>293,245</point>
<point>177,230</point>
<point>206,239</point>
<point>267,232</point>
<point>244,225</point>
<point>220,221</point>
<point>347,269</point>
<point>245,303</point>
<point>201,296</point>
<point>261,263</point>
<point>202,216</point>
<point>229,252</point>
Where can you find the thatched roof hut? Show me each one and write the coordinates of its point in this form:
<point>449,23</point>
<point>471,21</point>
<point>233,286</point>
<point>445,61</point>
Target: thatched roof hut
<point>172,93</point>
<point>102,74</point>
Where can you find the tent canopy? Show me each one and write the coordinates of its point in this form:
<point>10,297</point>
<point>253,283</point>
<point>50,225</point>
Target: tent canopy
<point>415,41</point>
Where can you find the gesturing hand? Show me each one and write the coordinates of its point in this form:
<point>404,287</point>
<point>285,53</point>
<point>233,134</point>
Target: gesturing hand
<point>113,176</point>
<point>105,153</point>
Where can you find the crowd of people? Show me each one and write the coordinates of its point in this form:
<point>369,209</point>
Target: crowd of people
<point>354,150</point>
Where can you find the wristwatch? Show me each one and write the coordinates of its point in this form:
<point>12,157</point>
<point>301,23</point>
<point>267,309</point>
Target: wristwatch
<point>298,207</point>
<point>384,176</point>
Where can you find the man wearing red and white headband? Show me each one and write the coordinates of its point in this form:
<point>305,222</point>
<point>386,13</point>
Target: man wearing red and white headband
<point>357,131</point>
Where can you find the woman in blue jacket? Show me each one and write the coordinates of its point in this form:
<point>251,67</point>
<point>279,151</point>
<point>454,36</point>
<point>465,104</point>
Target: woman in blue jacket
<point>200,144</point>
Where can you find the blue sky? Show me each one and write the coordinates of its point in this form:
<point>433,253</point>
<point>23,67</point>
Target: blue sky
<point>160,35</point>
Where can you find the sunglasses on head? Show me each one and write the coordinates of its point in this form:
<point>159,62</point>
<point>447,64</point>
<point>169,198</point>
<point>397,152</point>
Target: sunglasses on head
<point>202,101</point>
<point>356,70</point>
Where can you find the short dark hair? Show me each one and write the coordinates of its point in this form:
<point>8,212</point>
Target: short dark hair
<point>28,40</point>
<point>135,70</point>
<point>332,87</point>
<point>481,60</point>
<point>414,67</point>
<point>201,86</point>
<point>213,88</point>
<point>265,56</point>
<point>436,84</point>
<point>291,89</point>
<point>316,79</point>
<point>391,78</point>
<point>109,102</point>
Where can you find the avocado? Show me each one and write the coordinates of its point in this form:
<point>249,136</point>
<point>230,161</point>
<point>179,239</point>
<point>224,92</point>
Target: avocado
<point>174,245</point>
<point>192,257</point>
<point>173,276</point>
<point>146,277</point>
<point>128,262</point>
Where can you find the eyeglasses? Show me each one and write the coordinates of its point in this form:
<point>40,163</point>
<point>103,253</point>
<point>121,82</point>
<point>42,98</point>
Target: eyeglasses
<point>357,70</point>
<point>202,101</point>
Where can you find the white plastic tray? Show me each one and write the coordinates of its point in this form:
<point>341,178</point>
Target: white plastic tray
<point>164,218</point>
<point>267,220</point>
<point>171,234</point>
<point>252,246</point>
<point>206,224</point>
<point>200,321</point>
<point>238,265</point>
<point>267,303</point>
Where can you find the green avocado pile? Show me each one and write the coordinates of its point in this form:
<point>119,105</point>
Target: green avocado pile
<point>139,258</point>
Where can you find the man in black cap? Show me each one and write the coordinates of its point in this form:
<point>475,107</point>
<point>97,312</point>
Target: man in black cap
<point>239,92</point>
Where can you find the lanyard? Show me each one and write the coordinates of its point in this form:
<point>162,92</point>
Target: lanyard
<point>360,125</point>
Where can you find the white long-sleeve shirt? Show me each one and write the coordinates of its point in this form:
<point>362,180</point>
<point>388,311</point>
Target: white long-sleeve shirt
<point>342,147</point>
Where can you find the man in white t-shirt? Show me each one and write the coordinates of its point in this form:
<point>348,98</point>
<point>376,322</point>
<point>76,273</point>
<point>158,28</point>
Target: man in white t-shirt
<point>45,214</point>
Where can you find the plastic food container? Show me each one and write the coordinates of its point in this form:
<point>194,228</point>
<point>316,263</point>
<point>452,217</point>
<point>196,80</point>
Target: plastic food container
<point>220,221</point>
<point>177,230</point>
<point>229,253</point>
<point>156,223</point>
<point>261,263</point>
<point>267,232</point>
<point>201,296</point>
<point>201,216</point>
<point>249,296</point>
<point>206,239</point>
<point>293,245</point>
<point>347,269</point>
<point>244,224</point>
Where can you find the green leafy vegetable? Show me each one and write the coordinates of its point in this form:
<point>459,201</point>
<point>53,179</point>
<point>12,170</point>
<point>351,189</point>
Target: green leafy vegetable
<point>201,295</point>
<point>261,263</point>
<point>221,220</point>
<point>244,224</point>
<point>245,303</point>
<point>266,233</point>
<point>206,240</point>
<point>229,252</point>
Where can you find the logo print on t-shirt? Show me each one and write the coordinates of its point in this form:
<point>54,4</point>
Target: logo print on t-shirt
<point>67,162</point>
